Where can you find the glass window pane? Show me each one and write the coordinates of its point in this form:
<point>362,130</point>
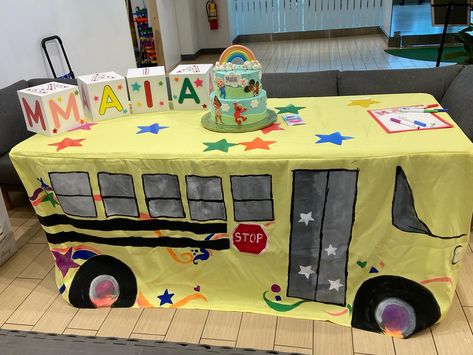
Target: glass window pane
<point>256,187</point>
<point>70,183</point>
<point>166,208</point>
<point>204,188</point>
<point>253,210</point>
<point>80,206</point>
<point>120,207</point>
<point>161,186</point>
<point>205,210</point>
<point>116,185</point>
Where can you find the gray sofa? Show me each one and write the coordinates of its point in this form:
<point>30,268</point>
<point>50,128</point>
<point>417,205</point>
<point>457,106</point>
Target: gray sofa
<point>452,86</point>
<point>13,131</point>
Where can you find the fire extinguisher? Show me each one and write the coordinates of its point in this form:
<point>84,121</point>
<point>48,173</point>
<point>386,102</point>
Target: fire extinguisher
<point>212,14</point>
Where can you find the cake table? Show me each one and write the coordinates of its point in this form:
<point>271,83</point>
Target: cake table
<point>333,220</point>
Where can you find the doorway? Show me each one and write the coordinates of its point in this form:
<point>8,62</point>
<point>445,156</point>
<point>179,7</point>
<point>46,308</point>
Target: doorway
<point>145,33</point>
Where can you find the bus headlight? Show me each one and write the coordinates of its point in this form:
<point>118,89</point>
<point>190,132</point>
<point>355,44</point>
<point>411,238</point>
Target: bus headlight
<point>457,254</point>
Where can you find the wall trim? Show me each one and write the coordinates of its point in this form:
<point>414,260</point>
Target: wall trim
<point>434,39</point>
<point>200,52</point>
<point>284,36</point>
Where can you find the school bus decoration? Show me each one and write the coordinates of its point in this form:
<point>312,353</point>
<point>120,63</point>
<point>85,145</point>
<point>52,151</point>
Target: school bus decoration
<point>125,260</point>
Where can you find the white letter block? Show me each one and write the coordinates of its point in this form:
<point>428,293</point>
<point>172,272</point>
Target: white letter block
<point>191,86</point>
<point>148,89</point>
<point>51,108</point>
<point>103,95</point>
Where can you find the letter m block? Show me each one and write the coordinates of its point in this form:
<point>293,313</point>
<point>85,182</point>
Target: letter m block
<point>51,108</point>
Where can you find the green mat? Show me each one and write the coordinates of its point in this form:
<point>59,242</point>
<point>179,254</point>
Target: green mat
<point>429,53</point>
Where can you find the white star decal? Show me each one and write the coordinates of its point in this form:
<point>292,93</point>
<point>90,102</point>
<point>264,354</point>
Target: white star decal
<point>306,218</point>
<point>331,250</point>
<point>306,271</point>
<point>225,107</point>
<point>335,285</point>
<point>254,103</point>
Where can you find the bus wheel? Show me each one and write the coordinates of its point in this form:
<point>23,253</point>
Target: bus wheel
<point>103,281</point>
<point>395,306</point>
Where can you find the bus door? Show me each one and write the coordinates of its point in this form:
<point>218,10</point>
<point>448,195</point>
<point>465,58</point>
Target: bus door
<point>322,215</point>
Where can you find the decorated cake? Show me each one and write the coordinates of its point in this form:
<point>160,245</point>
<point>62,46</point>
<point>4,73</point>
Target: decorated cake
<point>238,102</point>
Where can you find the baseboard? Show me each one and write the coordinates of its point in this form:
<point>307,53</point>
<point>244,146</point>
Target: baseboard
<point>201,52</point>
<point>435,39</point>
<point>399,41</point>
<point>287,36</point>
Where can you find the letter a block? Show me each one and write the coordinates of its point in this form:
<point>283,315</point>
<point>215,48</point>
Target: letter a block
<point>148,89</point>
<point>191,86</point>
<point>103,95</point>
<point>51,108</point>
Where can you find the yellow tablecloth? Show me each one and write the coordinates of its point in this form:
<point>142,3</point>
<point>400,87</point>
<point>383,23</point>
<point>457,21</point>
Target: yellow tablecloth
<point>160,212</point>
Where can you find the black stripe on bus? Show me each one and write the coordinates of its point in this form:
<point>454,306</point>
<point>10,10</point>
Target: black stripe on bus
<point>168,242</point>
<point>133,225</point>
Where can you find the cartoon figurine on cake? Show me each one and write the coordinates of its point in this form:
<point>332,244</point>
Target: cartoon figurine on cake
<point>238,100</point>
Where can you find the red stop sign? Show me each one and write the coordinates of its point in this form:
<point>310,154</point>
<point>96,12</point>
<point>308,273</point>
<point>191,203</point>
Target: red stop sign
<point>250,238</point>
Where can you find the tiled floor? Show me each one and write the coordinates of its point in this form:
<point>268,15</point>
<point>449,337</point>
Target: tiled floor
<point>29,301</point>
<point>339,53</point>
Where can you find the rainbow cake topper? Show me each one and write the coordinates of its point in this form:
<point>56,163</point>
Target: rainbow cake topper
<point>237,54</point>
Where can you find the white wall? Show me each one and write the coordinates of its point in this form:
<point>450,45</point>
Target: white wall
<point>169,33</point>
<point>96,36</point>
<point>187,26</point>
<point>208,38</point>
<point>194,29</point>
<point>386,14</point>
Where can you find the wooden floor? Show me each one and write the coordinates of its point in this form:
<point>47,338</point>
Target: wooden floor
<point>339,53</point>
<point>29,300</point>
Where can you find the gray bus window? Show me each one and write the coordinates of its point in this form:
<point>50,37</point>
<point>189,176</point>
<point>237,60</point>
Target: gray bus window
<point>118,194</point>
<point>74,193</point>
<point>163,196</point>
<point>205,198</point>
<point>252,198</point>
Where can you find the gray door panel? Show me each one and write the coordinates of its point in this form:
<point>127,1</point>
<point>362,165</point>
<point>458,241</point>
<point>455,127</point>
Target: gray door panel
<point>322,218</point>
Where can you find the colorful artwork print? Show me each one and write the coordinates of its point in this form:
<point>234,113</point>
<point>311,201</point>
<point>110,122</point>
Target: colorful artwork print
<point>42,194</point>
<point>237,54</point>
<point>238,113</point>
<point>240,83</point>
<point>218,113</point>
<point>167,298</point>
<point>277,305</point>
<point>195,255</point>
<point>67,258</point>
<point>253,87</point>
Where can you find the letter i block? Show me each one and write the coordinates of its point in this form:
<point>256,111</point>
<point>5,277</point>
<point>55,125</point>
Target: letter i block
<point>191,86</point>
<point>51,108</point>
<point>148,89</point>
<point>103,95</point>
